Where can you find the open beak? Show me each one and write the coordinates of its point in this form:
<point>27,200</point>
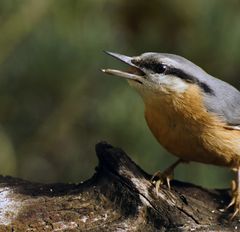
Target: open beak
<point>135,73</point>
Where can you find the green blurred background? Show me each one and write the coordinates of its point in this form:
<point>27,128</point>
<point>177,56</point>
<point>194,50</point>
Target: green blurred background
<point>55,104</point>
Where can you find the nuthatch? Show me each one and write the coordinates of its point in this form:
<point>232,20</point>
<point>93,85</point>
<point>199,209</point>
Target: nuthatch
<point>193,115</point>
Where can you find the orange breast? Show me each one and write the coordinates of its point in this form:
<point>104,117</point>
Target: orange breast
<point>182,125</point>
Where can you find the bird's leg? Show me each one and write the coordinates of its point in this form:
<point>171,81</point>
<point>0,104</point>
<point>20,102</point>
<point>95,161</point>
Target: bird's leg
<point>235,194</point>
<point>159,178</point>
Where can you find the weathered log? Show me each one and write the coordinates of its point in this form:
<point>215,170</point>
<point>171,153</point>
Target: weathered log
<point>119,197</point>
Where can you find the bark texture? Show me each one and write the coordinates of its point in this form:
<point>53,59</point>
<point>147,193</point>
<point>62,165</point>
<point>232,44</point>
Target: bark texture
<point>119,197</point>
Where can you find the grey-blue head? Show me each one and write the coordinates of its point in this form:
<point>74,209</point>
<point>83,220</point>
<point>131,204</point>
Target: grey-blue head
<point>167,73</point>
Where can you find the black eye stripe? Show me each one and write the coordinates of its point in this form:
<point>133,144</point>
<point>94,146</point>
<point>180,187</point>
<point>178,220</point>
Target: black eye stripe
<point>151,65</point>
<point>181,74</point>
<point>168,70</point>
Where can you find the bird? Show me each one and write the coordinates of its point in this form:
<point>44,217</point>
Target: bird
<point>192,114</point>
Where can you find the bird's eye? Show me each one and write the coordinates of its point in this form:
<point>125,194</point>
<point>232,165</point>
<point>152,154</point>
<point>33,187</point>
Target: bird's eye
<point>152,66</point>
<point>155,67</point>
<point>159,68</point>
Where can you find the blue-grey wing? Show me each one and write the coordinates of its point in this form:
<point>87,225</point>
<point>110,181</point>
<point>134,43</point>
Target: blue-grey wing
<point>224,101</point>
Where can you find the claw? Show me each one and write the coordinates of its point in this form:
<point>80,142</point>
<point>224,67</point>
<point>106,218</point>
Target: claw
<point>156,175</point>
<point>232,202</point>
<point>168,181</point>
<point>234,214</point>
<point>235,186</point>
<point>157,185</point>
<point>159,178</point>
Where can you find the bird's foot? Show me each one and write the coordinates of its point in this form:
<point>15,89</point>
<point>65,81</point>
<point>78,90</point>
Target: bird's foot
<point>235,202</point>
<point>160,178</point>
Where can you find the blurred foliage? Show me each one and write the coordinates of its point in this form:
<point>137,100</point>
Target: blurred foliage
<point>55,104</point>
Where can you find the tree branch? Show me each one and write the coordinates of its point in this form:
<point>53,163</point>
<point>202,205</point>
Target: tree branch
<point>119,197</point>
